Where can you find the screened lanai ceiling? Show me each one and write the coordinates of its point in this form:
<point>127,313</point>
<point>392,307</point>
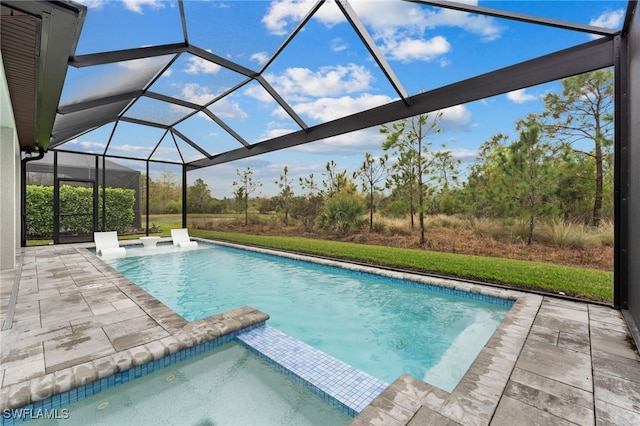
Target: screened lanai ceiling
<point>206,82</point>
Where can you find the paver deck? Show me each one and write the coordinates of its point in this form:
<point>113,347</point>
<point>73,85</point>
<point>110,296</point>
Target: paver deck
<point>551,361</point>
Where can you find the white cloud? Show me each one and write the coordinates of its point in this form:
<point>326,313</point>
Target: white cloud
<point>284,12</point>
<point>86,145</point>
<point>223,108</point>
<point>94,4</point>
<point>455,118</point>
<point>136,5</point>
<point>393,24</point>
<point>464,154</point>
<point>197,65</point>
<point>408,49</point>
<point>197,94</point>
<point>129,148</point>
<point>348,144</point>
<point>274,133</point>
<point>228,110</point>
<point>257,92</point>
<point>484,26</point>
<point>519,96</point>
<point>260,57</point>
<point>611,19</point>
<point>327,109</point>
<point>338,45</point>
<point>300,83</point>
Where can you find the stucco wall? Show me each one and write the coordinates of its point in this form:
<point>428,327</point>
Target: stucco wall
<point>9,180</point>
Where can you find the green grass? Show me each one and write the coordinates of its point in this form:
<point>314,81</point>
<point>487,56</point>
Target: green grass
<point>579,282</point>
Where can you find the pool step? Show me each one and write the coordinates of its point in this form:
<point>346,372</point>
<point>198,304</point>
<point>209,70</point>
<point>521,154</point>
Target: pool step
<point>331,379</point>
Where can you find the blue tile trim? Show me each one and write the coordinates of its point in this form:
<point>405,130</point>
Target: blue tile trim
<point>336,382</point>
<point>53,407</point>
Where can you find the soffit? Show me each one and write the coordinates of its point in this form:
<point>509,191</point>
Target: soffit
<point>19,54</point>
<point>37,37</point>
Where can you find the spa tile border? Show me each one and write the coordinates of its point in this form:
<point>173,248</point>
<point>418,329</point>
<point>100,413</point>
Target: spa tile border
<point>341,385</point>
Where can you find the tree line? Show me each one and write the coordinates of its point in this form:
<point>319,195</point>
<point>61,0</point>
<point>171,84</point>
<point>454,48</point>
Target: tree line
<point>558,167</point>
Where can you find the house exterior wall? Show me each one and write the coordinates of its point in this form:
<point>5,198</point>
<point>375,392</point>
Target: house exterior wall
<point>9,180</point>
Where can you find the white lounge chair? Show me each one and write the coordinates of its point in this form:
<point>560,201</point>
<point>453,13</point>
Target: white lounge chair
<point>181,238</point>
<point>107,244</point>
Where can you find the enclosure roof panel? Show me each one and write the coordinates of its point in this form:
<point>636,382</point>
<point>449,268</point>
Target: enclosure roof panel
<point>231,80</point>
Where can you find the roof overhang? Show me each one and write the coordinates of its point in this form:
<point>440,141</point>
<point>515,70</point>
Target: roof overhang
<point>38,37</point>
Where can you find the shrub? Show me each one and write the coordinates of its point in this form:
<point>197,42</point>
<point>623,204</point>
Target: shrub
<point>378,227</point>
<point>519,230</point>
<point>174,207</point>
<point>119,210</point>
<point>488,228</point>
<point>605,232</point>
<point>396,208</point>
<point>567,234</point>
<point>342,213</point>
<point>306,210</point>
<point>39,211</point>
<point>445,221</point>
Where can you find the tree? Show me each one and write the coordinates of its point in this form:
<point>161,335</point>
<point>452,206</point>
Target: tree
<point>404,176</point>
<point>285,196</point>
<point>529,171</point>
<point>445,168</point>
<point>244,187</point>
<point>583,112</point>
<point>198,197</point>
<point>336,182</point>
<point>445,174</point>
<point>163,192</point>
<point>409,140</point>
<point>309,184</point>
<point>371,173</point>
<point>484,194</point>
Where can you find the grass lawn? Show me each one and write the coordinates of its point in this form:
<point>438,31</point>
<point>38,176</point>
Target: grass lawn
<point>579,282</point>
<point>584,283</point>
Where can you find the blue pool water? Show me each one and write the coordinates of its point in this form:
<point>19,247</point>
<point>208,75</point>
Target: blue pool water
<point>224,386</point>
<point>382,326</point>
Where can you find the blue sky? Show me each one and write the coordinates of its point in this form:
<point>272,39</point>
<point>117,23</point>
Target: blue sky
<point>323,74</point>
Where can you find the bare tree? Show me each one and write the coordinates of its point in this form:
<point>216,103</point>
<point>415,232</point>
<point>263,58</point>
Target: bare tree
<point>244,187</point>
<point>371,173</point>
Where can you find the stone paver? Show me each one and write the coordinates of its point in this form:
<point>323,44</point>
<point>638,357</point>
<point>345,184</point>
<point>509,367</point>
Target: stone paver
<point>76,348</point>
<point>551,361</point>
<point>556,363</point>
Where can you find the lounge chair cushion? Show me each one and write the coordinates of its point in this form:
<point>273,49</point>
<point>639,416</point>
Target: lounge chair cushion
<point>181,238</point>
<point>107,244</point>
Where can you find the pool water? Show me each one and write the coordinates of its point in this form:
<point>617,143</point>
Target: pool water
<point>379,325</point>
<point>225,386</point>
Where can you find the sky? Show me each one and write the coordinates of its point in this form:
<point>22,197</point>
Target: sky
<point>323,74</point>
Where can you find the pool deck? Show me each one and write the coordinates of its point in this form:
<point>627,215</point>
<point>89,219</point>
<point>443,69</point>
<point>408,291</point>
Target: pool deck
<point>551,361</point>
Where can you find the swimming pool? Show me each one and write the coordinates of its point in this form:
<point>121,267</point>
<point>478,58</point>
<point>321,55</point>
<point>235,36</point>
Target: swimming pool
<point>224,386</point>
<point>380,325</point>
